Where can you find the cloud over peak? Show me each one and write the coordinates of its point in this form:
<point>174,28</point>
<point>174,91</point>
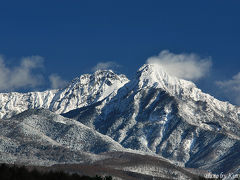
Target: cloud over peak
<point>185,66</point>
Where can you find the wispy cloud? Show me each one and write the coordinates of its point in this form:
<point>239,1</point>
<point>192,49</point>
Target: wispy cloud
<point>186,66</point>
<point>56,81</point>
<point>231,87</point>
<point>21,76</point>
<point>105,66</point>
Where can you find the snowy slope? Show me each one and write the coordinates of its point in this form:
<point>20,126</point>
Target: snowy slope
<point>41,137</point>
<point>158,113</point>
<point>82,91</point>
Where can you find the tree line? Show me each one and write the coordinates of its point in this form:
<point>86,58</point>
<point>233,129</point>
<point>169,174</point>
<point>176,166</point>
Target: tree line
<point>22,173</point>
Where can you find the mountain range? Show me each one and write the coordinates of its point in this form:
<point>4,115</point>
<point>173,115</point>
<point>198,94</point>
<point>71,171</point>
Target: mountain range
<point>153,115</point>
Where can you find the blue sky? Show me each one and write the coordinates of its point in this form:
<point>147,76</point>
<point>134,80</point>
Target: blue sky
<point>69,38</point>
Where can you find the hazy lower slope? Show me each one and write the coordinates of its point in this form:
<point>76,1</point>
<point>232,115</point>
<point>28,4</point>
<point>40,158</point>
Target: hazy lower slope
<point>171,117</point>
<point>82,91</point>
<point>42,137</point>
<point>130,166</point>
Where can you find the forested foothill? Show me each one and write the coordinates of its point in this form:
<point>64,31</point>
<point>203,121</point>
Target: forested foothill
<point>13,172</point>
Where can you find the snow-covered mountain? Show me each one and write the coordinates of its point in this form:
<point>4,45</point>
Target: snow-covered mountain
<point>154,113</point>
<point>82,91</point>
<point>158,113</point>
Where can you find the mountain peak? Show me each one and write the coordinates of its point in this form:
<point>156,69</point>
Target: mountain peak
<point>97,76</point>
<point>153,75</point>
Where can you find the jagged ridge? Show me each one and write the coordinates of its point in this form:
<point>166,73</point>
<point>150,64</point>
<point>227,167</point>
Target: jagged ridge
<point>82,91</point>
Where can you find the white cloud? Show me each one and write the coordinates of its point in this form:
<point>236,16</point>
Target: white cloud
<point>56,81</point>
<point>231,87</point>
<point>105,66</point>
<point>185,66</point>
<point>21,76</point>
